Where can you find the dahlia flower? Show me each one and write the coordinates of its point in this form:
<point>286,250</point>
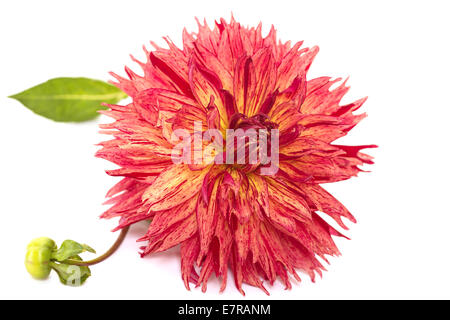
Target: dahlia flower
<point>229,215</point>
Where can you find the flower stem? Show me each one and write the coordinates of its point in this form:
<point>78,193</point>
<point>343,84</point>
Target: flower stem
<point>104,256</point>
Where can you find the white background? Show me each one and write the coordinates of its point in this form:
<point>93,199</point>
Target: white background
<point>396,52</point>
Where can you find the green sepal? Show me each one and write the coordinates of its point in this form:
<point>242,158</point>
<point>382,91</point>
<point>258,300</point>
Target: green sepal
<point>71,275</point>
<point>69,249</point>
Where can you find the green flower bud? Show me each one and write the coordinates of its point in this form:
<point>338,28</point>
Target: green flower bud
<point>37,259</point>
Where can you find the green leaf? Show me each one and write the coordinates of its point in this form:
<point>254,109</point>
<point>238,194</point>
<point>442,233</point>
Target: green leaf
<point>69,99</point>
<point>69,249</point>
<point>71,275</point>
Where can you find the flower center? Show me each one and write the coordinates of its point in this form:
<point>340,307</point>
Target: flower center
<point>258,121</point>
<point>250,140</point>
